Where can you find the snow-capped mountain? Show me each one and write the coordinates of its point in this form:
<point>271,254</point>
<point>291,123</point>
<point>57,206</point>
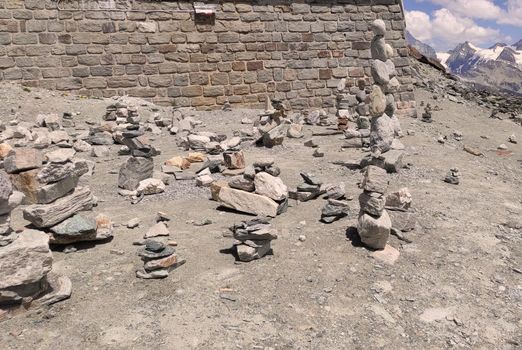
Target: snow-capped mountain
<point>499,66</point>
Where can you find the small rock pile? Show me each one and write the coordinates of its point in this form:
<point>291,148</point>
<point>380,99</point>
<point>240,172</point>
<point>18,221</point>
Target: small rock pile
<point>426,116</point>
<point>453,176</point>
<point>337,206</point>
<point>136,174</point>
<point>374,223</point>
<point>209,142</point>
<point>346,104</point>
<point>50,186</point>
<point>334,210</point>
<point>25,259</point>
<point>158,260</point>
<point>317,117</point>
<point>353,107</point>
<point>398,205</point>
<point>258,191</point>
<point>253,238</point>
<point>310,189</point>
<point>273,124</point>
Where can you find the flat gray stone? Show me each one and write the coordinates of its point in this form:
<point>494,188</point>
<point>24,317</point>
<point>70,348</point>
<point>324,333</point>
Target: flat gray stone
<point>74,226</point>
<point>135,170</point>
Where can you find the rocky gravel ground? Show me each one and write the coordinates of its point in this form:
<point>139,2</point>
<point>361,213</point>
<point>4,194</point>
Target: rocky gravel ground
<point>457,285</point>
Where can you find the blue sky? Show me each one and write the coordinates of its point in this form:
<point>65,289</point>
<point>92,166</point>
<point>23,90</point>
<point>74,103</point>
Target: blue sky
<point>445,23</point>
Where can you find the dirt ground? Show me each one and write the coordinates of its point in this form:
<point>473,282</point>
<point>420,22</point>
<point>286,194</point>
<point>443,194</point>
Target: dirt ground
<point>458,285</point>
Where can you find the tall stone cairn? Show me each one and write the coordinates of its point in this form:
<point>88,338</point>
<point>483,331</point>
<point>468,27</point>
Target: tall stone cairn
<point>374,224</point>
<point>25,258</point>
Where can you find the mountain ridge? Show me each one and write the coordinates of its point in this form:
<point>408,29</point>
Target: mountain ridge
<point>498,66</point>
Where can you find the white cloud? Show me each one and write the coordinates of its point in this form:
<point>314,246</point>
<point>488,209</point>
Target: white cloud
<point>484,9</point>
<point>419,25</point>
<point>446,29</point>
<point>509,13</point>
<point>513,14</point>
<point>453,29</point>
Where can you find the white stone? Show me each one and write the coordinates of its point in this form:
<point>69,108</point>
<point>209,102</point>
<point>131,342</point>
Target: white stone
<point>151,186</point>
<point>374,232</point>
<point>270,186</point>
<point>61,155</point>
<point>198,142</point>
<point>379,27</point>
<point>247,202</point>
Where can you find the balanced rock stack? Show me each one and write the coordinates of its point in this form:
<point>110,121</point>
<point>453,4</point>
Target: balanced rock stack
<point>398,204</point>
<point>258,191</point>
<point>385,126</point>
<point>127,128</point>
<point>272,125</point>
<point>49,185</point>
<point>359,136</point>
<point>346,104</point>
<point>25,258</point>
<point>427,116</point>
<point>337,206</point>
<point>317,117</point>
<point>310,189</point>
<point>253,238</point>
<point>158,260</point>
<point>374,223</point>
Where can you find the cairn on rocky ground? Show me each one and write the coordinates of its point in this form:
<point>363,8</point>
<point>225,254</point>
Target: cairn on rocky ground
<point>337,206</point>
<point>347,104</point>
<point>258,191</point>
<point>158,260</point>
<point>317,117</point>
<point>426,116</point>
<point>139,166</point>
<point>273,124</point>
<point>25,258</point>
<point>46,131</point>
<point>50,187</point>
<point>253,238</point>
<point>398,205</point>
<point>310,189</point>
<point>453,176</point>
<point>352,107</point>
<point>374,223</point>
<point>385,128</point>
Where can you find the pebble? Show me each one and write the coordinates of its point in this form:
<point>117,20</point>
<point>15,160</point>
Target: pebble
<point>117,252</point>
<point>502,147</point>
<point>133,223</point>
<point>69,249</point>
<point>161,216</point>
<point>302,238</point>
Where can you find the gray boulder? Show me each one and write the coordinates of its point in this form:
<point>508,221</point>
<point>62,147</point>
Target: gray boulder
<point>135,170</point>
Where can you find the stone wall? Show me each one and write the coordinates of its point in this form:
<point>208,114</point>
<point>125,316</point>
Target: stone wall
<point>294,50</point>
